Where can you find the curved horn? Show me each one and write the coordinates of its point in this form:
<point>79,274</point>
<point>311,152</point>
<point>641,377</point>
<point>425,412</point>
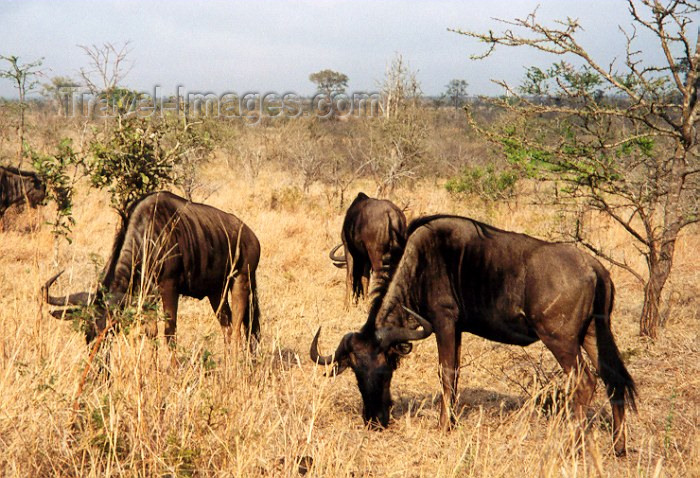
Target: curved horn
<point>45,287</point>
<point>392,335</point>
<point>335,258</point>
<point>80,298</point>
<point>339,353</point>
<point>62,314</point>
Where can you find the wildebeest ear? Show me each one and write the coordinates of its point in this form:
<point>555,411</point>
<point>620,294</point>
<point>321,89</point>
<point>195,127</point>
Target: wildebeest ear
<point>337,369</point>
<point>403,348</point>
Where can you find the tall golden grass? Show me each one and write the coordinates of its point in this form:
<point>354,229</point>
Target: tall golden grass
<point>277,414</point>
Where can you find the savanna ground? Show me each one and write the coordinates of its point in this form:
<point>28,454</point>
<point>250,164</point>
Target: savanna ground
<point>277,414</point>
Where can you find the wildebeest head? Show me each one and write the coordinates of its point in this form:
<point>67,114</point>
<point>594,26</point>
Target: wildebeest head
<point>36,192</point>
<point>373,355</point>
<point>72,303</point>
<point>17,186</point>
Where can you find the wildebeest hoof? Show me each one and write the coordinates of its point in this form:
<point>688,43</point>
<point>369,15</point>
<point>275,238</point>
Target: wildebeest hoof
<point>303,463</point>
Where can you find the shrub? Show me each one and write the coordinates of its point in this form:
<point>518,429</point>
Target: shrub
<point>139,156</point>
<point>486,183</point>
<point>53,171</point>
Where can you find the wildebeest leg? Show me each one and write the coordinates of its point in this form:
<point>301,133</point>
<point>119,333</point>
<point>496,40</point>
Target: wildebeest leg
<point>169,295</point>
<point>449,342</point>
<point>251,316</point>
<point>365,279</point>
<point>349,273</point>
<point>378,261</point>
<point>590,345</point>
<point>240,294</point>
<point>219,304</point>
<point>568,354</point>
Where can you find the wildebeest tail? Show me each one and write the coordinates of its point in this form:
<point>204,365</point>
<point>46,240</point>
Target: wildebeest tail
<point>397,239</point>
<point>618,382</point>
<point>253,309</point>
<point>357,272</point>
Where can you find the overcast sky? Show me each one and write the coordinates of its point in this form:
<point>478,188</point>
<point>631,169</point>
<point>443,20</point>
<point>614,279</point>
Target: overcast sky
<point>264,46</point>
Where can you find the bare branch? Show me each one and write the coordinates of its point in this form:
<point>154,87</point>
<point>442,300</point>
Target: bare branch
<point>108,66</point>
<point>660,15</point>
<point>598,252</point>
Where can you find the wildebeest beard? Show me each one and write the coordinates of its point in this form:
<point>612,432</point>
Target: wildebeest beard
<point>374,355</point>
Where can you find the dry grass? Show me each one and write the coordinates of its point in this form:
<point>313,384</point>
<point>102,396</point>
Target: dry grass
<point>261,418</point>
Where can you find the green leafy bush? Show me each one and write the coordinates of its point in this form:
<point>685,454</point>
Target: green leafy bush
<point>140,155</point>
<point>486,183</point>
<point>53,169</point>
<point>130,162</point>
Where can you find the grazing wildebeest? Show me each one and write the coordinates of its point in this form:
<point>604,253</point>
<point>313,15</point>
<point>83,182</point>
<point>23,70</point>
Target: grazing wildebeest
<point>183,248</point>
<point>458,275</point>
<point>373,230</point>
<point>17,186</point>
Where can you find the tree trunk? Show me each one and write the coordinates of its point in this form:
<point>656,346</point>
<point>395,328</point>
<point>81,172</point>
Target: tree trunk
<point>20,135</point>
<point>660,259</point>
<point>659,269</point>
<point>650,319</point>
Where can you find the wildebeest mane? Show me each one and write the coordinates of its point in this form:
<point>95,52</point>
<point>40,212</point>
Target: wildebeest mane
<point>108,274</point>
<point>403,295</point>
<point>21,172</point>
<point>380,285</point>
<point>382,279</point>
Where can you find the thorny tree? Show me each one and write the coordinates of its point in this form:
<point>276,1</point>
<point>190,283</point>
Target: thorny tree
<point>58,91</point>
<point>108,65</point>
<point>24,77</point>
<point>623,137</point>
<point>397,142</point>
<point>456,92</point>
<point>329,82</point>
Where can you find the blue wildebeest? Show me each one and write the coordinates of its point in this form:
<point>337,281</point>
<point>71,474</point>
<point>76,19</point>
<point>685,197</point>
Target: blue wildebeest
<point>374,230</point>
<point>181,248</point>
<point>458,275</point>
